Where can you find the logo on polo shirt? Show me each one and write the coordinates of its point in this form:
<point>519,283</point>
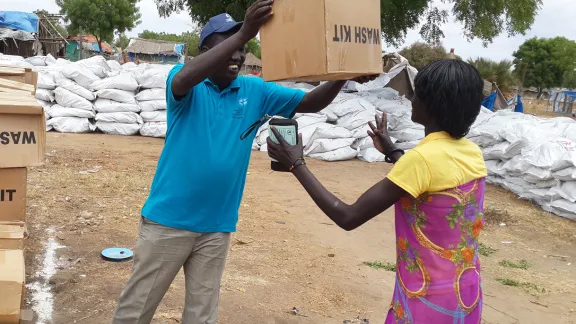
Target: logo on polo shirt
<point>239,112</point>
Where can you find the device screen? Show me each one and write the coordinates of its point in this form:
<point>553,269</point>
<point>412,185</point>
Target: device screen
<point>288,133</point>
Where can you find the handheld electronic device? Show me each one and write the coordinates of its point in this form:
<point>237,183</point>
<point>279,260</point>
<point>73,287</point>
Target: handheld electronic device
<point>288,129</point>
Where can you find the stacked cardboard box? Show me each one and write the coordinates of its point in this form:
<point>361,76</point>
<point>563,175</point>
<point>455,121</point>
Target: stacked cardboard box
<point>22,143</point>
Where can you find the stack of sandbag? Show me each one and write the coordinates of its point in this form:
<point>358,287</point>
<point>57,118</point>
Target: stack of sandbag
<point>117,111</point>
<point>534,158</point>
<point>152,100</point>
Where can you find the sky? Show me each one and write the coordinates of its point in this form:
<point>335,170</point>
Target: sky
<point>556,18</point>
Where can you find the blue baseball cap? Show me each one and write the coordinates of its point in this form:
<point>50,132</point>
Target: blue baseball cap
<point>218,24</point>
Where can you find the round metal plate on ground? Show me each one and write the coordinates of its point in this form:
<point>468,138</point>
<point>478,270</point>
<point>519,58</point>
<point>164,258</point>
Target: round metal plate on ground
<point>117,254</point>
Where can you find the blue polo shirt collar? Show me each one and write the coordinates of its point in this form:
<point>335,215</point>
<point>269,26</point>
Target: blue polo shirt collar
<point>235,84</point>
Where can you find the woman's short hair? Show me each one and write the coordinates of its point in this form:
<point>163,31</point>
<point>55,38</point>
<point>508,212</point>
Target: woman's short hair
<point>452,93</point>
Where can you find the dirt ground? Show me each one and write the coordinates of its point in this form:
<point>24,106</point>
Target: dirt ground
<point>286,253</point>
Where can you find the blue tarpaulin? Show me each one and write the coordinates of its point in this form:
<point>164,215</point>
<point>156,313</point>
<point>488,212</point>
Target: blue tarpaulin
<point>19,20</point>
<point>489,101</point>
<point>517,102</point>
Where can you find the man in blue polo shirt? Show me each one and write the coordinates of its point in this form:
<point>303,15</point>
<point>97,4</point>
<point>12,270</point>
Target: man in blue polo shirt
<point>197,190</point>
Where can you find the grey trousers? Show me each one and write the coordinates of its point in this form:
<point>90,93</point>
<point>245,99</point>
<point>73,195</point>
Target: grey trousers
<point>160,253</point>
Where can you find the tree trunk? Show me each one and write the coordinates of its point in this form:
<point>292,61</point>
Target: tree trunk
<point>539,93</point>
<point>99,40</point>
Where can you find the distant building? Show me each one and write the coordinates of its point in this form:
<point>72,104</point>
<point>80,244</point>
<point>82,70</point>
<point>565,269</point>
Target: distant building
<point>252,65</point>
<point>89,47</point>
<point>18,33</point>
<point>155,51</point>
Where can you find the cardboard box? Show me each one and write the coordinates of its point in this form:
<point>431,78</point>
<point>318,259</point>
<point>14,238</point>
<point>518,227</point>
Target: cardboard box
<point>22,131</point>
<point>12,236</point>
<point>12,279</point>
<point>13,195</point>
<point>322,40</point>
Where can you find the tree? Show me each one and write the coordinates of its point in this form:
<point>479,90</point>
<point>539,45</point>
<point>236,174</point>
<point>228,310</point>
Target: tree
<point>421,54</point>
<point>482,19</point>
<point>569,80</point>
<point>54,25</point>
<point>253,47</point>
<point>122,41</point>
<point>546,60</point>
<point>101,18</point>
<point>499,72</point>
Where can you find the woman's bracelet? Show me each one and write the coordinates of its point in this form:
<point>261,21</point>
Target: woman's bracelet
<point>387,156</point>
<point>297,163</point>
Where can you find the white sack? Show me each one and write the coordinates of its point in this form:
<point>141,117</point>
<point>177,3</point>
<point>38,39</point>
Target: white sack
<point>342,154</point>
<point>151,94</point>
<point>44,104</point>
<point>70,125</point>
<point>117,128</point>
<point>98,70</point>
<point>95,60</point>
<point>152,105</point>
<point>306,132</point>
<point>568,174</point>
<point>330,133</point>
<point>59,111</point>
<point>123,81</point>
<point>114,65</point>
<point>119,117</point>
<point>45,95</point>
<point>564,208</point>
<point>74,87</point>
<point>408,134</point>
<point>81,75</point>
<point>351,106</point>
<point>566,190</point>
<point>46,81</point>
<point>50,60</point>
<point>107,106</point>
<point>37,60</point>
<point>356,119</point>
<point>117,95</point>
<point>554,154</point>
<point>323,145</point>
<point>153,116</point>
<point>310,119</point>
<point>371,155</point>
<point>155,78</point>
<point>154,129</point>
<point>67,98</point>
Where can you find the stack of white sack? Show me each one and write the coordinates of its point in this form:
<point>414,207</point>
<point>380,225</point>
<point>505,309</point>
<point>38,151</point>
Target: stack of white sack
<point>71,114</point>
<point>534,158</point>
<point>152,100</point>
<point>340,132</point>
<point>117,111</point>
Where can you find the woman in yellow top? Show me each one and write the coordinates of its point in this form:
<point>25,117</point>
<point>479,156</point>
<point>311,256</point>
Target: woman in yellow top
<point>438,192</point>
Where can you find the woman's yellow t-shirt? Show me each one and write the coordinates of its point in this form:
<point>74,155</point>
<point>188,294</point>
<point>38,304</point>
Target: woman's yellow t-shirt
<point>438,163</point>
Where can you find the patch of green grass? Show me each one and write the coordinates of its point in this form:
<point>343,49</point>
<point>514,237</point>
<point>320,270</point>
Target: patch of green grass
<point>509,282</point>
<point>382,265</point>
<point>485,250</point>
<point>522,264</point>
<point>527,286</point>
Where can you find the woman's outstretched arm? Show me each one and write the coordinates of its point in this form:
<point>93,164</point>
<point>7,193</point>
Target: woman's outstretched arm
<point>373,202</point>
